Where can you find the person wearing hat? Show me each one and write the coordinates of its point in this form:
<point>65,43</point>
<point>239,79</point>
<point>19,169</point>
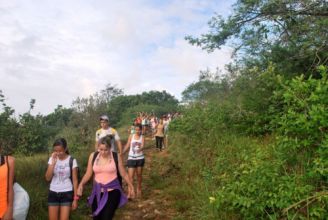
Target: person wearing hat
<point>106,130</point>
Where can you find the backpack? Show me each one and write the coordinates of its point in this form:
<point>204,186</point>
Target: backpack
<point>71,159</point>
<point>115,156</point>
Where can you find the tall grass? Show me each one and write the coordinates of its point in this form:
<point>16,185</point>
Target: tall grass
<point>30,173</point>
<point>203,167</point>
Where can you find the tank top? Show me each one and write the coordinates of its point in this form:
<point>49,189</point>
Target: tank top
<point>105,173</point>
<point>160,130</point>
<point>3,188</point>
<point>134,147</point>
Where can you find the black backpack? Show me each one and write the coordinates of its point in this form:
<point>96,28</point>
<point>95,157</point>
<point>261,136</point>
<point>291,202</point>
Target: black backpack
<point>115,156</point>
<point>71,159</point>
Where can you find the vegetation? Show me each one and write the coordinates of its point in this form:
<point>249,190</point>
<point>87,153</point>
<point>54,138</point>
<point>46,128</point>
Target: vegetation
<point>258,135</point>
<point>78,123</point>
<point>283,175</point>
<point>251,144</point>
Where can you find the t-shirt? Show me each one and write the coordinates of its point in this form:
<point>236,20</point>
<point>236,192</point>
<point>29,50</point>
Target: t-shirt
<point>61,180</point>
<point>110,131</point>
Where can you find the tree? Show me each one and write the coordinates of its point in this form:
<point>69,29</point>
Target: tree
<point>210,86</point>
<point>110,92</point>
<point>146,101</point>
<point>291,34</point>
<point>8,126</point>
<point>158,98</point>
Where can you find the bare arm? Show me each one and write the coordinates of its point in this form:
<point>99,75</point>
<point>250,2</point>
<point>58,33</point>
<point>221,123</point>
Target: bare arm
<point>51,167</point>
<point>9,213</point>
<point>126,178</point>
<point>87,175</point>
<point>127,145</point>
<point>142,142</point>
<point>119,147</point>
<point>75,180</point>
<point>75,185</point>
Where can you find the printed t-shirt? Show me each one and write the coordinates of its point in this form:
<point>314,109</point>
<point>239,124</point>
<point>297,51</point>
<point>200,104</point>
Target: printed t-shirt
<point>61,180</point>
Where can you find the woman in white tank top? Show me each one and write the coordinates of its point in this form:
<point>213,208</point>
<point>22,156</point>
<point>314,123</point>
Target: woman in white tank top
<point>136,158</point>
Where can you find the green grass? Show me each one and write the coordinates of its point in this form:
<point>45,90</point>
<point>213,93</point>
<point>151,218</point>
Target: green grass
<point>188,176</point>
<point>196,170</point>
<point>30,173</point>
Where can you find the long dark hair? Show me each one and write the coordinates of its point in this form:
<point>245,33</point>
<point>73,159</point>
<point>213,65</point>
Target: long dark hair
<point>61,142</point>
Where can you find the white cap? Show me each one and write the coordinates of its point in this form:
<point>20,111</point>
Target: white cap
<point>104,117</point>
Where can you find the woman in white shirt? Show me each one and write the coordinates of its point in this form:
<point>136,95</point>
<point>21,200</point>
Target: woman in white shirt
<point>62,172</point>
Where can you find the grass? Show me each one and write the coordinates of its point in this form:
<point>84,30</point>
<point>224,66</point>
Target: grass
<point>183,175</point>
<point>197,171</point>
<point>30,173</point>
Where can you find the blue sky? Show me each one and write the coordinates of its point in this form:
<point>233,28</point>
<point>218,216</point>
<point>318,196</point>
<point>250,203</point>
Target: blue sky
<point>56,51</point>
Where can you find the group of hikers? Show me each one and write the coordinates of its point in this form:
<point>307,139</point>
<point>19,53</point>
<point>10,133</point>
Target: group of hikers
<point>105,167</point>
<point>156,127</point>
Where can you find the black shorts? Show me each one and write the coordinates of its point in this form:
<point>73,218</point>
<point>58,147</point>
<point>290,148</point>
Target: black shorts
<point>60,198</point>
<point>136,163</point>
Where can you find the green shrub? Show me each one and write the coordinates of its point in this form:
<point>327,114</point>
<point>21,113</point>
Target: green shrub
<point>237,177</point>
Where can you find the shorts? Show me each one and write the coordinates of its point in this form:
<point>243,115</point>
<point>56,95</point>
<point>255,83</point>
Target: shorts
<point>60,198</point>
<point>136,163</point>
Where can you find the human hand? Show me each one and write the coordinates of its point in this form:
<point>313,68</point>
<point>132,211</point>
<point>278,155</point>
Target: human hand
<point>131,193</point>
<point>80,190</point>
<point>54,157</point>
<point>8,214</point>
<point>74,205</point>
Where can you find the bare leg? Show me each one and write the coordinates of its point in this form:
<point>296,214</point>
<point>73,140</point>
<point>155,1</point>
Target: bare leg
<point>53,212</point>
<point>64,212</point>
<point>131,172</point>
<point>139,177</point>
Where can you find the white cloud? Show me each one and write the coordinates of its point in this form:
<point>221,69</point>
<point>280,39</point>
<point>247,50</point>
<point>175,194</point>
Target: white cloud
<point>56,51</point>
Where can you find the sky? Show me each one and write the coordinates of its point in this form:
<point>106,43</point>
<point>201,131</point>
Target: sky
<point>56,51</point>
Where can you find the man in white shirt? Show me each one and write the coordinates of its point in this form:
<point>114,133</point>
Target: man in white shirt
<point>107,130</point>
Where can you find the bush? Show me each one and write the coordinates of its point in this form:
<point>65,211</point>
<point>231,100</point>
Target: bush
<point>283,177</point>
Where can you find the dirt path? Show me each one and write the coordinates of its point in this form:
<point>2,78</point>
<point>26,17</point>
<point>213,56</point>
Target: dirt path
<point>155,203</point>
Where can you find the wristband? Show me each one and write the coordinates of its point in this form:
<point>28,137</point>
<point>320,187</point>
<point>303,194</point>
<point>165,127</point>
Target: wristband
<point>76,197</point>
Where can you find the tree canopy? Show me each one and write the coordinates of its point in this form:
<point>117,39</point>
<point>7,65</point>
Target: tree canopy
<point>292,34</point>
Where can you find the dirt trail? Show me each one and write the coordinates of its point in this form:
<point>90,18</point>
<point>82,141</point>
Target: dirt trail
<point>155,203</point>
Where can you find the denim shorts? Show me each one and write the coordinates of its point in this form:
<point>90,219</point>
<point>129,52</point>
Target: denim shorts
<point>136,163</point>
<point>60,198</point>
